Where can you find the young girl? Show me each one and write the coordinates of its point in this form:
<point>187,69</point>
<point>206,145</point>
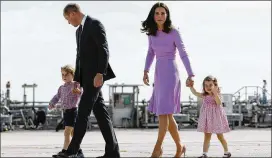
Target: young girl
<point>212,119</point>
<point>69,95</point>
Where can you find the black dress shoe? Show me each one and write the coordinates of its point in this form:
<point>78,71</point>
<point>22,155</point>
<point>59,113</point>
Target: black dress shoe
<point>65,155</point>
<point>110,155</point>
<point>55,155</point>
<point>62,151</point>
<point>80,154</point>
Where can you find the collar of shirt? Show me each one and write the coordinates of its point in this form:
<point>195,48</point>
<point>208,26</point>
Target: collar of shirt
<point>68,83</point>
<point>83,21</point>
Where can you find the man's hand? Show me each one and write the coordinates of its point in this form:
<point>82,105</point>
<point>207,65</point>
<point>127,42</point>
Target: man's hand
<point>189,82</point>
<point>98,80</point>
<point>146,78</point>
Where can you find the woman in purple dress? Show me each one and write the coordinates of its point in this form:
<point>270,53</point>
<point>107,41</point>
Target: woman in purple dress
<point>165,101</point>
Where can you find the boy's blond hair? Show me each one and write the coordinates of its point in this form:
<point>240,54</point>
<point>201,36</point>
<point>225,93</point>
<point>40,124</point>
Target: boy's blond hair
<point>68,69</point>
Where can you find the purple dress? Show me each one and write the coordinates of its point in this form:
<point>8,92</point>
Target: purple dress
<point>166,92</point>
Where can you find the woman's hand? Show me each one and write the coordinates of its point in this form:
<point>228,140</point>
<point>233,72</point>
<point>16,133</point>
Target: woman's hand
<point>146,78</point>
<point>189,82</point>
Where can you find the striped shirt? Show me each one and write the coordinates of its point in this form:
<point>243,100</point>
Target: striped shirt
<point>66,97</point>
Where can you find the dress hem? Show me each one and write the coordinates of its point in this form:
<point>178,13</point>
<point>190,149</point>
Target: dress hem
<point>164,113</point>
<point>214,132</point>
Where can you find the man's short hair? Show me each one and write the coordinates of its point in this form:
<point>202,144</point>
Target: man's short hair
<point>71,7</point>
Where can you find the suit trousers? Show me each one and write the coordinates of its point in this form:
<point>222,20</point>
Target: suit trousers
<point>92,99</point>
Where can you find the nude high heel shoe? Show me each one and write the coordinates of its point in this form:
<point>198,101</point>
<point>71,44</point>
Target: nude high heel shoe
<point>154,154</point>
<point>183,151</point>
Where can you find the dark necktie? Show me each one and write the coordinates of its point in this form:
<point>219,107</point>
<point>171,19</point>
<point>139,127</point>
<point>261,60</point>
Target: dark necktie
<point>78,49</point>
<point>79,34</point>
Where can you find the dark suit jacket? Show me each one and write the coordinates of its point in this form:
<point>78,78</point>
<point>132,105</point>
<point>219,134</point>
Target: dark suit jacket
<point>92,53</point>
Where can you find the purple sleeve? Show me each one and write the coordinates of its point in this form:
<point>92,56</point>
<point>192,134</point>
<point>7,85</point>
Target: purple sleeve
<point>182,53</point>
<point>150,56</point>
<point>56,98</point>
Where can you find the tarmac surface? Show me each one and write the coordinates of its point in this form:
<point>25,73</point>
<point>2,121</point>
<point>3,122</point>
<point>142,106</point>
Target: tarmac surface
<point>137,143</point>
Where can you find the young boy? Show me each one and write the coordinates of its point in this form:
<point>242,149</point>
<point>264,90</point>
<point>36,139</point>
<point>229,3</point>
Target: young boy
<point>68,94</point>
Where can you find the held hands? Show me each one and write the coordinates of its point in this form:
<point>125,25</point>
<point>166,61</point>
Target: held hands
<point>146,78</point>
<point>189,82</point>
<point>98,80</point>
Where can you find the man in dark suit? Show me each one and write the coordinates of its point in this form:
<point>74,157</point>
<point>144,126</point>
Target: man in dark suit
<point>92,69</point>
